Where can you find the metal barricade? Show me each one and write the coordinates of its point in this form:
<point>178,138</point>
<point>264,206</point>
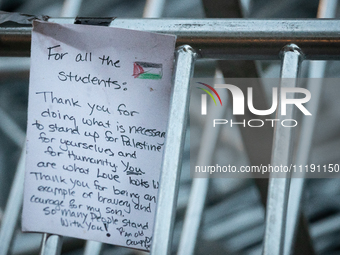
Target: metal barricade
<point>292,41</point>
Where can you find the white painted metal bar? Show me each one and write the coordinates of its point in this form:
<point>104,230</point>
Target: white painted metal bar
<point>326,9</point>
<point>172,157</point>
<point>199,187</point>
<point>281,155</point>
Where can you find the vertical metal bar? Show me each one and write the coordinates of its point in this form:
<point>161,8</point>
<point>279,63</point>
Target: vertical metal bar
<point>254,140</point>
<point>51,245</point>
<point>11,129</point>
<point>13,206</point>
<point>93,248</point>
<point>281,155</point>
<point>153,8</point>
<point>199,187</point>
<point>71,8</point>
<point>326,9</point>
<point>14,202</point>
<point>172,157</point>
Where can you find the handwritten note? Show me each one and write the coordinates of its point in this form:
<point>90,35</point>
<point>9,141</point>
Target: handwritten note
<point>97,116</point>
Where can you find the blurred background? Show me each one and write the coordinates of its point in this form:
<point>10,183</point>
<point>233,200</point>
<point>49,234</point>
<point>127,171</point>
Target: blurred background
<point>233,218</point>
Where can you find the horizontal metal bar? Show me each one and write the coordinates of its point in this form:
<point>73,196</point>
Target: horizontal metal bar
<point>250,39</point>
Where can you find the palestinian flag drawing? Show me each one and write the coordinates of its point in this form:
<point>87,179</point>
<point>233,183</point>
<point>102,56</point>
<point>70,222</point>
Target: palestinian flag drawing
<point>145,70</point>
